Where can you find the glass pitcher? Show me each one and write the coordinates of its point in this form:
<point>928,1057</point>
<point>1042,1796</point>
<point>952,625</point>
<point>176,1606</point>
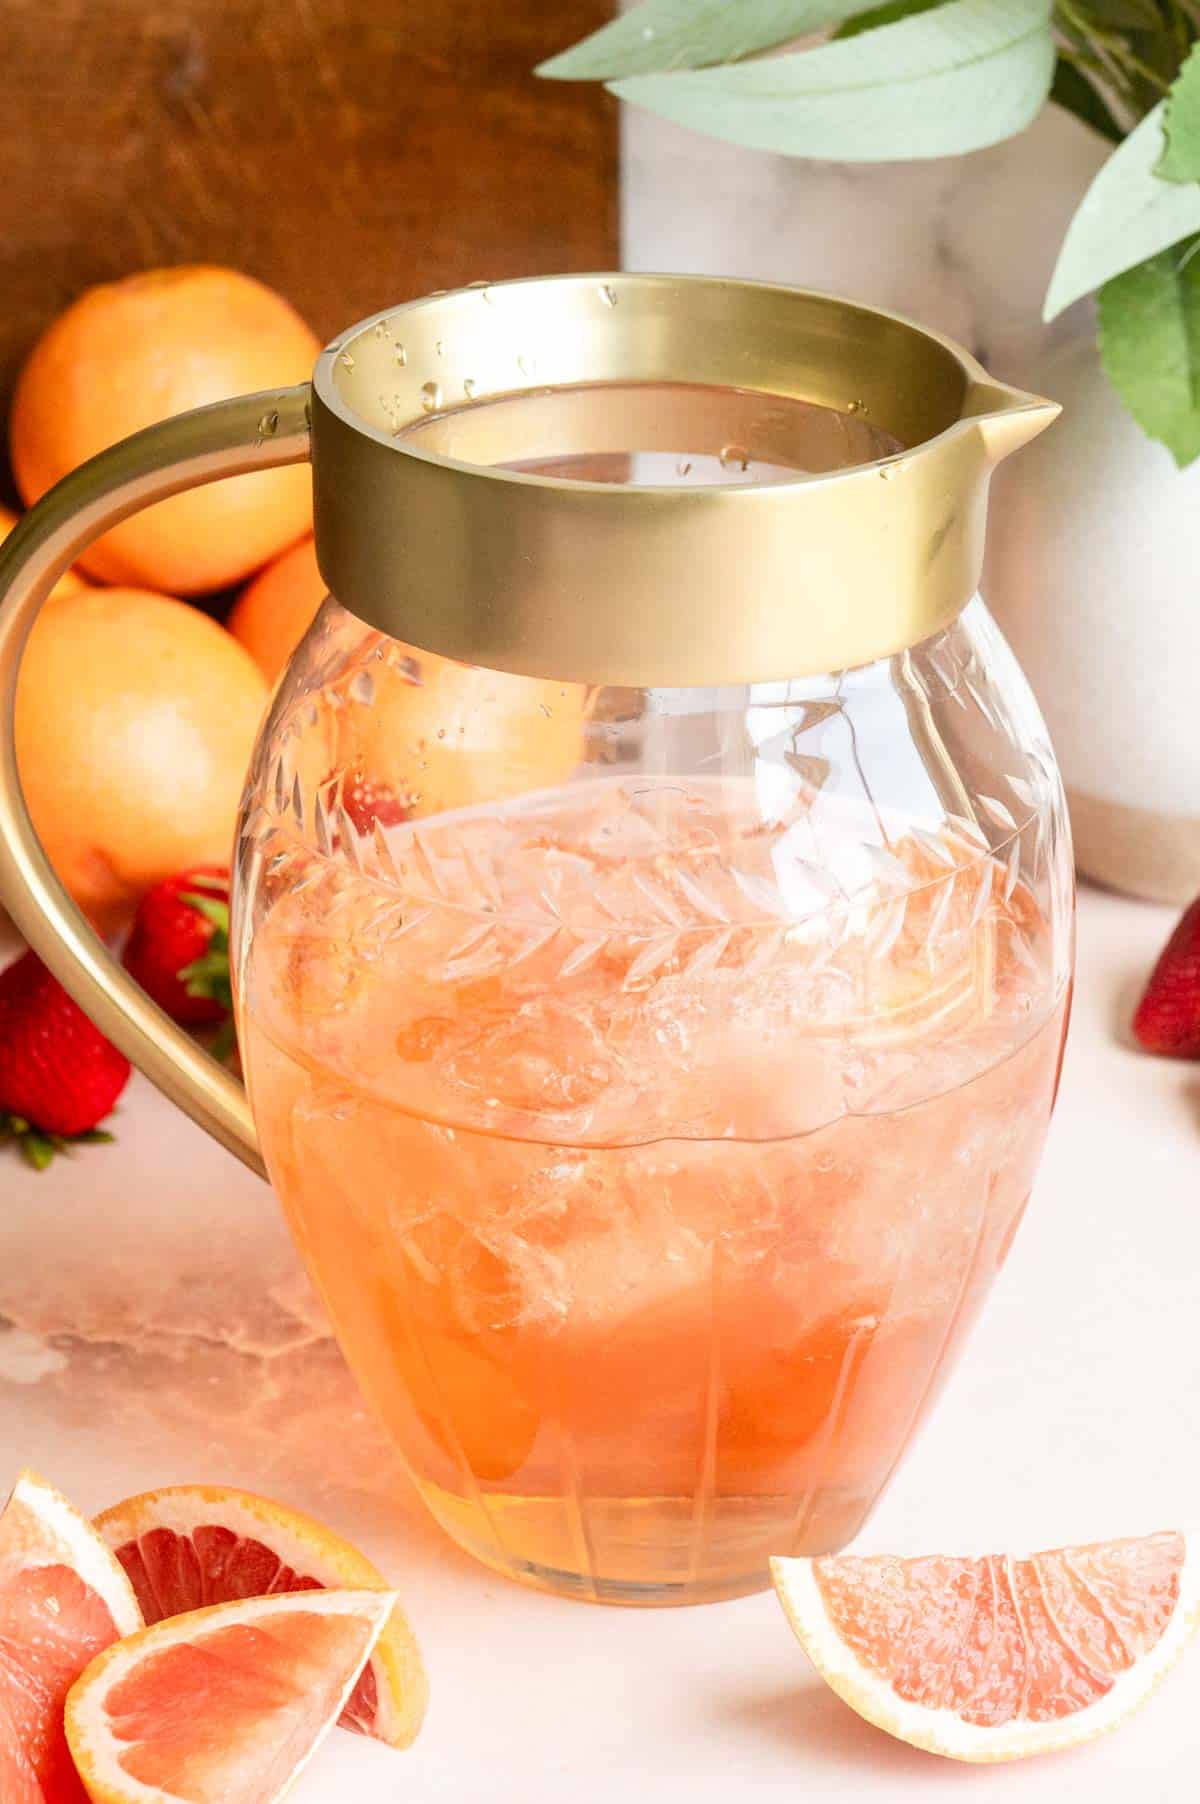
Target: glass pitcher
<point>652,905</point>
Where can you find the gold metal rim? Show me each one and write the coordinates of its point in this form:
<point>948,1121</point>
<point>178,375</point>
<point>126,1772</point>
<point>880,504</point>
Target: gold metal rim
<point>582,581</point>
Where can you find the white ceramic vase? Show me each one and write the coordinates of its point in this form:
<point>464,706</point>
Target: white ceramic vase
<point>1094,535</point>
<point>1093,568</point>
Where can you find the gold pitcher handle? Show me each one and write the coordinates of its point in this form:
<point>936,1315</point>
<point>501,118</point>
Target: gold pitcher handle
<point>253,432</point>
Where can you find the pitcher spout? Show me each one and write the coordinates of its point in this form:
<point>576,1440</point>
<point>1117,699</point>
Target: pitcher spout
<point>1007,417</point>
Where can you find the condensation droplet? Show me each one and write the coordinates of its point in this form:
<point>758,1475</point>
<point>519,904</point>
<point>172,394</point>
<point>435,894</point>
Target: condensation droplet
<point>382,329</point>
<point>684,469</point>
<point>400,354</point>
<point>347,360</point>
<point>526,365</point>
<point>469,387</point>
<point>857,407</point>
<point>268,425</point>
<point>440,347</point>
<point>441,732</point>
<point>362,687</point>
<point>734,457</point>
<point>544,709</point>
<point>431,396</point>
<point>608,294</point>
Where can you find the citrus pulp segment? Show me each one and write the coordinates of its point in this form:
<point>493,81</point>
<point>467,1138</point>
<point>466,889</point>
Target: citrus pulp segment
<point>190,1546</point>
<point>998,1657</point>
<point>63,1599</point>
<point>223,1704</point>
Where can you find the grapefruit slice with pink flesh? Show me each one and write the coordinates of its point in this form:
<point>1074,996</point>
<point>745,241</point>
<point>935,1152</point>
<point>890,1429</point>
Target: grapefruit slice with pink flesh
<point>191,1546</point>
<point>998,1657</point>
<point>63,1600</point>
<point>221,1705</point>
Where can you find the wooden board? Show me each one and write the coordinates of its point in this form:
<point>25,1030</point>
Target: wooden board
<point>350,152</point>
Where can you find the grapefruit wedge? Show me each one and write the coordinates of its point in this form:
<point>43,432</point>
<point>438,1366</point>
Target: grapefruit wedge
<point>999,1657</point>
<point>223,1704</point>
<point>194,1545</point>
<point>63,1599</point>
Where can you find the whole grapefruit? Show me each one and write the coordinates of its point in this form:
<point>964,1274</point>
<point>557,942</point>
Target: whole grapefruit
<point>135,720</point>
<point>273,613</point>
<point>127,354</point>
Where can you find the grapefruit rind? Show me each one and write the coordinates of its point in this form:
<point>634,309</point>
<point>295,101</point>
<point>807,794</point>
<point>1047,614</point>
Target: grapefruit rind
<point>42,1529</point>
<point>943,1731</point>
<point>92,1746</point>
<point>308,1548</point>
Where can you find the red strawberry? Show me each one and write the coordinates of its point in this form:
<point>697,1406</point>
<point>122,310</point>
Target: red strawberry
<point>59,1076</point>
<point>178,948</point>
<point>1168,1016</point>
<point>367,801</point>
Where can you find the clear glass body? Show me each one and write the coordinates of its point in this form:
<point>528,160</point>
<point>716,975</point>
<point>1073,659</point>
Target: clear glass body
<point>652,1132</point>
<point>654,1079</point>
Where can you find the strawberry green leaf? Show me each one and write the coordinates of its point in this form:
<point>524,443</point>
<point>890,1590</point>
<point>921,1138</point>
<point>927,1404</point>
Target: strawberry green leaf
<point>208,976</point>
<point>35,1147</point>
<point>224,1040</point>
<point>937,83</point>
<point>1150,344</point>
<point>212,964</point>
<point>216,912</point>
<point>688,34</point>
<point>1180,161</point>
<point>1127,216</point>
<point>37,1150</point>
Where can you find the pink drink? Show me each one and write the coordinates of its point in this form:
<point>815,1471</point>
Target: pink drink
<point>650,1179</point>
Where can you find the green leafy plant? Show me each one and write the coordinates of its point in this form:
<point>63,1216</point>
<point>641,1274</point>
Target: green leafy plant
<point>850,80</point>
